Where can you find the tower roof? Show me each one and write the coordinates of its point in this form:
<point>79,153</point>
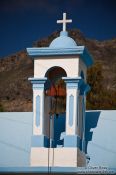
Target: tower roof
<point>62,45</point>
<point>63,41</point>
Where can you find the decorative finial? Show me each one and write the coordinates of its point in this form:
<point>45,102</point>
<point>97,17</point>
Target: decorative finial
<point>64,21</point>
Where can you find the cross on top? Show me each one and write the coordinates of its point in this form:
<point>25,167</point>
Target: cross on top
<point>64,21</point>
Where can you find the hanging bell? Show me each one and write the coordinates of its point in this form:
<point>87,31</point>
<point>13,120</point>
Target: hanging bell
<point>58,98</point>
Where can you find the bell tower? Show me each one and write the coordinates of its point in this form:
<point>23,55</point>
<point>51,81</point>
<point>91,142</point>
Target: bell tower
<point>70,62</point>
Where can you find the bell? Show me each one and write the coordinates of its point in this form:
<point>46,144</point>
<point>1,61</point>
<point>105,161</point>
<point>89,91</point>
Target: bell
<point>57,94</point>
<point>52,91</point>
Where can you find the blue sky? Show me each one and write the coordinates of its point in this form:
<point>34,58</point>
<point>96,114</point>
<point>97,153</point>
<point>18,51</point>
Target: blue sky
<point>24,21</point>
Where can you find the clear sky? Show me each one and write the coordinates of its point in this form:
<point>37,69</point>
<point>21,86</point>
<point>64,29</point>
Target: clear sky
<point>24,21</point>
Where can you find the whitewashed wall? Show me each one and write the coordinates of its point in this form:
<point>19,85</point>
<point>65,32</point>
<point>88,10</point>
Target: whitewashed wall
<point>69,64</point>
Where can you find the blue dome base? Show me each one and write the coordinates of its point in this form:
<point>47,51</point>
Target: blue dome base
<point>63,41</point>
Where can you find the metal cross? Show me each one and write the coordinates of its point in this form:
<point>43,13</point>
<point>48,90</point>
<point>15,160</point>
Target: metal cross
<point>64,21</point>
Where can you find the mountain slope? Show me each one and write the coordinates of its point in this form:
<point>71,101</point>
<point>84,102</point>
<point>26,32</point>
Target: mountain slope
<point>16,90</point>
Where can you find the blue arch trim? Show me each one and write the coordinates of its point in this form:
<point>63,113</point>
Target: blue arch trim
<point>71,109</point>
<point>37,110</point>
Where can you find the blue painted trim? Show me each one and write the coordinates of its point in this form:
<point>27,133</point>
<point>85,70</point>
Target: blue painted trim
<point>41,80</point>
<point>88,88</point>
<point>38,86</point>
<point>82,118</point>
<point>83,124</point>
<point>82,74</point>
<point>40,141</point>
<point>72,82</point>
<point>77,106</point>
<point>72,141</point>
<point>63,41</point>
<point>37,110</point>
<point>37,80</point>
<point>72,85</point>
<point>84,88</point>
<point>68,170</point>
<point>87,58</point>
<point>71,109</point>
<point>83,145</point>
<point>47,51</point>
<point>38,83</point>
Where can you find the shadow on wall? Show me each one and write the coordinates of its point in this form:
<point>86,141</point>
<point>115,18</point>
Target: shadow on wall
<point>91,122</point>
<point>59,129</point>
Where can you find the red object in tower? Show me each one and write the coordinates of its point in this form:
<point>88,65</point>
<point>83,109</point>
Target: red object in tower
<point>61,92</point>
<point>52,91</point>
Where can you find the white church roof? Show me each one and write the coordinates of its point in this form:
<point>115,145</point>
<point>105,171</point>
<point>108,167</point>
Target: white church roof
<point>16,132</point>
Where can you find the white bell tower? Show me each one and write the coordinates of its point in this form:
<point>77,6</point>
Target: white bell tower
<point>63,53</point>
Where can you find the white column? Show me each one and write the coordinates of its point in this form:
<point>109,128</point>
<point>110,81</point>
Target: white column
<point>38,111</point>
<point>72,90</point>
<point>38,138</point>
<point>71,111</point>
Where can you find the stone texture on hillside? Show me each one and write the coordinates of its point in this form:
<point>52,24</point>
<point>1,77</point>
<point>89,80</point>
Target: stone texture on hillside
<point>16,90</point>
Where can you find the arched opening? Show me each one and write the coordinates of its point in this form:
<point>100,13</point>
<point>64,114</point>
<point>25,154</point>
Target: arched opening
<point>55,104</point>
<point>55,88</point>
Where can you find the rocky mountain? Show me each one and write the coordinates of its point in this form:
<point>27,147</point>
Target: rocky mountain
<point>16,90</point>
